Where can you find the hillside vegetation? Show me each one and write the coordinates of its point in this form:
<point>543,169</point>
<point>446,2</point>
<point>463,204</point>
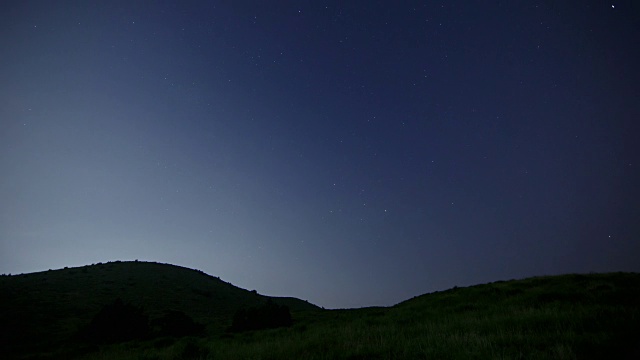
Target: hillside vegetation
<point>594,316</point>
<point>39,310</point>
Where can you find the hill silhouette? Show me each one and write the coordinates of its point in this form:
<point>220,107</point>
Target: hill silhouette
<point>44,308</point>
<point>575,316</point>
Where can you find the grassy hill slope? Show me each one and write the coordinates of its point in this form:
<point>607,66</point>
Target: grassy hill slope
<point>594,316</point>
<point>575,316</point>
<point>44,308</point>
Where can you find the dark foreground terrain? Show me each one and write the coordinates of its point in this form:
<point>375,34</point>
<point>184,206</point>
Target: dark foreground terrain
<point>55,314</point>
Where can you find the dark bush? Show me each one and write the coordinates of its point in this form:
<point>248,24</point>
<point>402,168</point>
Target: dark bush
<point>176,323</point>
<point>193,350</point>
<point>269,315</point>
<point>117,322</point>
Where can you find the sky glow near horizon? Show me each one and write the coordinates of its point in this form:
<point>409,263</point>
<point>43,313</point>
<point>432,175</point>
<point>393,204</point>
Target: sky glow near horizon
<point>349,154</point>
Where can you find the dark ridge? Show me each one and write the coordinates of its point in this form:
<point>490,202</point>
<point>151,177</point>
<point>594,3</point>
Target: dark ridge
<point>72,313</point>
<point>44,308</point>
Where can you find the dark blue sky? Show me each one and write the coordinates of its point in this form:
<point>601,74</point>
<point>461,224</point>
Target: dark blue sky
<point>348,153</point>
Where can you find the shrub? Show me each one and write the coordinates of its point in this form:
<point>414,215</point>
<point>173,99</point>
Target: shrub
<point>176,323</point>
<point>117,322</point>
<point>269,315</point>
<point>193,350</point>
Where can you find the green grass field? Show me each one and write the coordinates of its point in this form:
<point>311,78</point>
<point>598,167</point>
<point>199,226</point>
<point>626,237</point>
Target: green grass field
<point>595,316</point>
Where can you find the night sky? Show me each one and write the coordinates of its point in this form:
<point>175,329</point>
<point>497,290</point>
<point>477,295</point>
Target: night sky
<point>349,153</point>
